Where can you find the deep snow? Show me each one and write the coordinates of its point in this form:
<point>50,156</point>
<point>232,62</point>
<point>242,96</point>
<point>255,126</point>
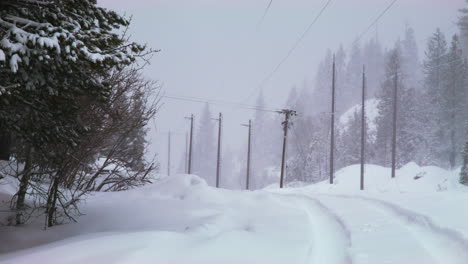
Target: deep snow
<point>419,217</point>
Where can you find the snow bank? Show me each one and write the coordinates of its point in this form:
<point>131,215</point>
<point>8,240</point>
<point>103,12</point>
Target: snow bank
<point>178,219</point>
<point>411,178</point>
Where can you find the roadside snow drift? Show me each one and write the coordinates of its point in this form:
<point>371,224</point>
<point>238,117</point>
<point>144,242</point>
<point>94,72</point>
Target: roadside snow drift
<point>419,217</point>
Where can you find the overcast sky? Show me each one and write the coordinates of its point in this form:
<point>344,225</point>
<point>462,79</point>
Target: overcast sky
<point>218,49</point>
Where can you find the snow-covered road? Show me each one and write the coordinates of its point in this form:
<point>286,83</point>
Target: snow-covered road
<point>382,232</point>
<point>180,220</point>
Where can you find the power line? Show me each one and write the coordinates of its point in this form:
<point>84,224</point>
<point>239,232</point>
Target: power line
<point>375,21</point>
<point>215,102</point>
<point>293,48</point>
<point>264,14</point>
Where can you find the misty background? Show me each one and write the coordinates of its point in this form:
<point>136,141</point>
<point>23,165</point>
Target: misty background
<point>224,51</point>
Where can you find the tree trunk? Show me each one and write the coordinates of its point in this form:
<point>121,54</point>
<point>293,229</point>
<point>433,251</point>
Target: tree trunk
<point>23,188</point>
<point>52,200</point>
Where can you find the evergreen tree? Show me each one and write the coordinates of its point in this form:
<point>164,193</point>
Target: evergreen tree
<point>455,102</point>
<point>463,24</point>
<point>321,94</point>
<point>204,158</point>
<point>435,66</point>
<point>349,143</point>
<point>374,61</point>
<point>348,95</point>
<point>266,144</point>
<point>54,56</point>
<point>308,140</point>
<point>464,169</point>
<point>409,138</point>
<point>445,82</point>
<point>341,82</point>
<point>410,58</point>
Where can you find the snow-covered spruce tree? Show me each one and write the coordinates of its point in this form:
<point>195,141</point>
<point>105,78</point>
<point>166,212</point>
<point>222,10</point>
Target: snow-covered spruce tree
<point>321,94</point>
<point>300,138</point>
<point>464,169</point>
<point>349,142</point>
<point>373,58</point>
<point>463,24</point>
<point>348,95</point>
<point>54,54</point>
<point>204,158</point>
<point>410,57</point>
<point>434,68</point>
<point>266,144</point>
<point>455,102</point>
<point>445,84</point>
<point>408,136</point>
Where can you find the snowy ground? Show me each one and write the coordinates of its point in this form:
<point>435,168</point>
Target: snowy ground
<point>181,220</point>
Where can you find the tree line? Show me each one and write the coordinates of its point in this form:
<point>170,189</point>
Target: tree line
<point>431,123</point>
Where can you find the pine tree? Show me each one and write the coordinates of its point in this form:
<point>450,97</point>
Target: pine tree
<point>410,58</point>
<point>464,169</point>
<point>266,144</point>
<point>409,137</point>
<point>373,58</point>
<point>435,66</point>
<point>349,143</point>
<point>348,95</point>
<point>455,101</point>
<point>463,24</point>
<point>321,94</point>
<point>204,158</point>
<point>341,81</point>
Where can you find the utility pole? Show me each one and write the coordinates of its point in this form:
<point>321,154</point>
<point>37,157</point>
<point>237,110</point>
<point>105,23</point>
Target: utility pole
<point>287,114</point>
<point>186,153</point>
<point>189,169</point>
<point>169,153</point>
<point>332,136</point>
<point>363,125</point>
<point>218,158</point>
<point>394,136</point>
<point>249,142</point>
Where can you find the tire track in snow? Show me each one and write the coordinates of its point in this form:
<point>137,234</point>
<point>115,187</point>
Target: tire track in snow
<point>443,244</point>
<point>330,237</point>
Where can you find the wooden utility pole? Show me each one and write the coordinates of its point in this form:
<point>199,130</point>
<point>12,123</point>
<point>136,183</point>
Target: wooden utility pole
<point>186,152</point>
<point>363,125</point>
<point>169,153</point>
<point>394,136</point>
<point>332,136</point>
<point>189,169</point>
<point>218,158</point>
<point>287,114</point>
<point>249,142</point>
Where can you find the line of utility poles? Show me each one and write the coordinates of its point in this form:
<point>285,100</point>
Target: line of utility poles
<point>287,114</point>
<point>189,145</point>
<point>363,124</point>
<point>249,142</point>
<point>286,124</point>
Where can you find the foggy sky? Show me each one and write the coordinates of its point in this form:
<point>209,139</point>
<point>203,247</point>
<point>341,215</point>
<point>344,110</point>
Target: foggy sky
<point>217,49</point>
